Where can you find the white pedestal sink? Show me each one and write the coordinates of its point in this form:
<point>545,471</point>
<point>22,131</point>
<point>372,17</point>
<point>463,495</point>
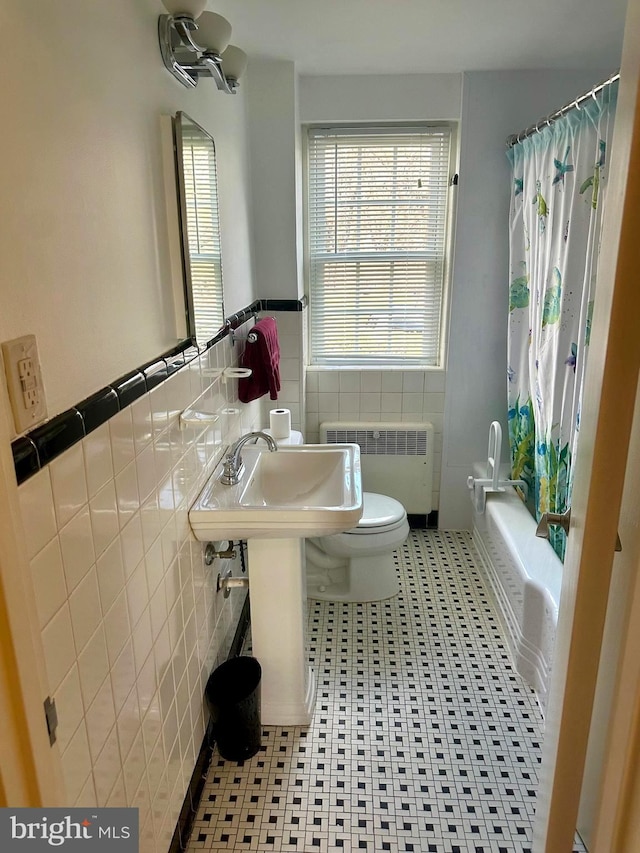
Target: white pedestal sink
<point>282,497</point>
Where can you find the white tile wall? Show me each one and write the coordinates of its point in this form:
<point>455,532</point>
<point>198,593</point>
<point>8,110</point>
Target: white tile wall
<point>377,395</point>
<point>291,368</point>
<point>131,622</point>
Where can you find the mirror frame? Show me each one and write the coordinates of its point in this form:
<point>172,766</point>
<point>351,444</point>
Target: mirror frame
<point>178,125</point>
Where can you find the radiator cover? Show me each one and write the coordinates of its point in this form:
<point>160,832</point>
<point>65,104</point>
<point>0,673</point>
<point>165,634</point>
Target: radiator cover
<point>396,458</point>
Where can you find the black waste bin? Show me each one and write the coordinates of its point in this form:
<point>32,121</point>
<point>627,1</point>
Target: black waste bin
<point>233,697</point>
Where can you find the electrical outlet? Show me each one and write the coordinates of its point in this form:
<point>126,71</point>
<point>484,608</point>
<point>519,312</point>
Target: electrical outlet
<point>24,382</point>
<point>28,382</point>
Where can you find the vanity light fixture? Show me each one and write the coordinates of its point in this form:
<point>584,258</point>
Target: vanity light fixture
<point>195,44</point>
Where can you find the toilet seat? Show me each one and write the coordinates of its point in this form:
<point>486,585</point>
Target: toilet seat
<point>380,514</point>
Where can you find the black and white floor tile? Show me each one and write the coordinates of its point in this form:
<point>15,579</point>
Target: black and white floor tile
<point>424,737</point>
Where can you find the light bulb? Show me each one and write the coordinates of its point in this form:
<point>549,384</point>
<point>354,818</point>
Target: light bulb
<point>234,62</point>
<point>190,8</point>
<point>213,32</point>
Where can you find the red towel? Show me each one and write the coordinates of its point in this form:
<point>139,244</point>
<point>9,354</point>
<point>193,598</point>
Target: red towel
<point>263,358</point>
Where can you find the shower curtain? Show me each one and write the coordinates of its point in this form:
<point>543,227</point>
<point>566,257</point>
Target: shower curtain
<point>559,177</point>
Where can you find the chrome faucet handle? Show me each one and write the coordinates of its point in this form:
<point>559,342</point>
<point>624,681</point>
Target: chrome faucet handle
<point>233,465</point>
<point>232,470</point>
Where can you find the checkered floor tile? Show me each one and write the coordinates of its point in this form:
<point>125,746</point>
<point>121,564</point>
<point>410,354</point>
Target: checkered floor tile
<point>424,737</point>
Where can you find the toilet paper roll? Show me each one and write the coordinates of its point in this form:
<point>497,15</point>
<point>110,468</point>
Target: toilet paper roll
<point>280,423</point>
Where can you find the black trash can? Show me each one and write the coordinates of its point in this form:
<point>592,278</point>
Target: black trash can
<point>233,697</point>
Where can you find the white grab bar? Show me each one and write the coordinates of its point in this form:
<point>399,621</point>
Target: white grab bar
<point>494,452</point>
<point>482,486</point>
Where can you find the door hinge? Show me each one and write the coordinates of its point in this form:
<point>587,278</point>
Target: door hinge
<point>51,715</point>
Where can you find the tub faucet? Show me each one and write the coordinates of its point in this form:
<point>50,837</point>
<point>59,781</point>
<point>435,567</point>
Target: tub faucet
<point>233,464</point>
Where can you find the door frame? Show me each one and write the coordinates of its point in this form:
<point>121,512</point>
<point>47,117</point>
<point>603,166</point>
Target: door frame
<point>617,820</point>
<point>607,416</point>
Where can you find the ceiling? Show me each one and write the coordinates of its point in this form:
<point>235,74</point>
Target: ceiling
<point>427,36</point>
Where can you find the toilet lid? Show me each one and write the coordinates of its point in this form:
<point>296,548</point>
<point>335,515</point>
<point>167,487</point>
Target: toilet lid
<point>379,511</point>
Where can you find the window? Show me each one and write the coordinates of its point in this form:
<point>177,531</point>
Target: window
<point>377,214</point>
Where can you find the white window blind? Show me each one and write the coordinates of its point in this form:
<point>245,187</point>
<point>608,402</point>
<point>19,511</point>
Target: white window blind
<point>377,239</point>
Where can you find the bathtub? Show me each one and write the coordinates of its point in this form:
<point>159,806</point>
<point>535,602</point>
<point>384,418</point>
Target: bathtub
<point>524,576</point>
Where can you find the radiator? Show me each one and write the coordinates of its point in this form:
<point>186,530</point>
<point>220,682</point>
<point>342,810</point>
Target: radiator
<point>396,458</point>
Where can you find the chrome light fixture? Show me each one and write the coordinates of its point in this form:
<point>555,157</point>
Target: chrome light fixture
<point>195,44</point>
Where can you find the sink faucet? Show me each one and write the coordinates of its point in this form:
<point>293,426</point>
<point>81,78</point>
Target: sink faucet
<point>233,464</point>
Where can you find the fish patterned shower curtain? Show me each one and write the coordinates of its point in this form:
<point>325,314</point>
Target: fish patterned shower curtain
<point>559,177</point>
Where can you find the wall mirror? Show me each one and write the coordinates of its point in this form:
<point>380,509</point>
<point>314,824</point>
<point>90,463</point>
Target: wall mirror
<point>195,155</point>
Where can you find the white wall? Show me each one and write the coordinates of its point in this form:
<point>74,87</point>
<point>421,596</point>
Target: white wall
<point>275,179</point>
<point>494,105</point>
<point>83,245</point>
<point>402,97</point>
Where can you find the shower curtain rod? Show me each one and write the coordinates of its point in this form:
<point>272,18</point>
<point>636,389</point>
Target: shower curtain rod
<point>547,120</point>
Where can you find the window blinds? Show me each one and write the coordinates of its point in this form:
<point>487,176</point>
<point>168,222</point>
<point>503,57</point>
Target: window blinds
<point>377,239</point>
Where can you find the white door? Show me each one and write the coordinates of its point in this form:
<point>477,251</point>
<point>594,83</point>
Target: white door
<point>614,361</point>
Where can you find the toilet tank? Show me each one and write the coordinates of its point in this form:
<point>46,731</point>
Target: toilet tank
<point>294,437</point>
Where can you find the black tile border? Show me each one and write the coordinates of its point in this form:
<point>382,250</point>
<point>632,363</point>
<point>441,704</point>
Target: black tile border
<point>129,388</point>
<point>98,408</point>
<point>189,810</point>
<point>284,304</point>
<point>57,435</point>
<point>174,362</point>
<point>35,449</point>
<point>25,458</point>
<point>155,373</point>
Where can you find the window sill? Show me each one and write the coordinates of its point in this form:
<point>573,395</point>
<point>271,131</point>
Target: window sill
<point>378,368</point>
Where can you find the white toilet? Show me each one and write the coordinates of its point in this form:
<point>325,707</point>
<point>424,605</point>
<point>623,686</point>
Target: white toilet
<point>356,565</point>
